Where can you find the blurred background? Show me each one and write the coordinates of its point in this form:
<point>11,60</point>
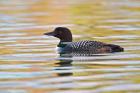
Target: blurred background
<point>29,62</point>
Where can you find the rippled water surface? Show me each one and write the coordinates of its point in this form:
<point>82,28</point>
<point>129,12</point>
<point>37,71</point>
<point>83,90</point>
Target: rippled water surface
<point>29,62</point>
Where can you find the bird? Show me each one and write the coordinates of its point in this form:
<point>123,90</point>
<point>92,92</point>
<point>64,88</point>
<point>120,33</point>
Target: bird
<point>67,45</point>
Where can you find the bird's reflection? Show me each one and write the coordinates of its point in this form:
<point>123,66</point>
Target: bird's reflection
<point>65,64</point>
<point>66,59</point>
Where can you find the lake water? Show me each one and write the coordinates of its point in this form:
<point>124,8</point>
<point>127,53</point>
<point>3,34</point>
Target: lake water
<point>29,62</point>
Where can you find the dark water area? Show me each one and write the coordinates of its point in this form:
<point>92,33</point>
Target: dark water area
<point>29,62</point>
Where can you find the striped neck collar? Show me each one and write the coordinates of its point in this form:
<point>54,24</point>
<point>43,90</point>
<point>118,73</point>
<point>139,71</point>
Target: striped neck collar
<point>63,44</point>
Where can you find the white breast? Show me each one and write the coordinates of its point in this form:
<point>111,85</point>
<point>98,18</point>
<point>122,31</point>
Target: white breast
<point>58,49</point>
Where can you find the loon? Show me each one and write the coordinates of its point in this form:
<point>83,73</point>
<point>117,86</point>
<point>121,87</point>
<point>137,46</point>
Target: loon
<point>94,47</point>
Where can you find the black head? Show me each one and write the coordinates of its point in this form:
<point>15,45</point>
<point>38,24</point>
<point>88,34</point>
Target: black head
<point>62,33</point>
